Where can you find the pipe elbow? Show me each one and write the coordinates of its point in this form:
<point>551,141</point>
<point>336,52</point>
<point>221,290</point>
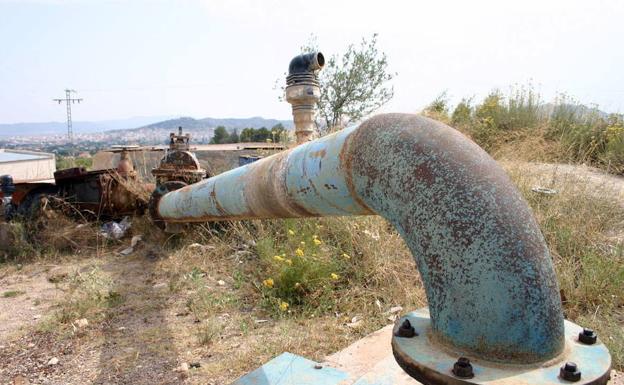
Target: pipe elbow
<point>306,63</point>
<point>487,271</point>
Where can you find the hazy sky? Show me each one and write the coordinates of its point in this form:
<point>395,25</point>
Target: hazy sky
<point>222,58</point>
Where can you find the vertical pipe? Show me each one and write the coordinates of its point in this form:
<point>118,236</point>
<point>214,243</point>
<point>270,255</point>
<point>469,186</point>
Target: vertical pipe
<point>303,92</point>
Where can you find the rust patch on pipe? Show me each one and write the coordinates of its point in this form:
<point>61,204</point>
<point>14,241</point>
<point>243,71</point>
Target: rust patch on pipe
<point>318,154</point>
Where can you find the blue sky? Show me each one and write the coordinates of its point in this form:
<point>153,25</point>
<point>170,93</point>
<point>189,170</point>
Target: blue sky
<point>222,58</point>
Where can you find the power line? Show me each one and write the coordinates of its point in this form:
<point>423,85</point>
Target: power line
<point>69,101</point>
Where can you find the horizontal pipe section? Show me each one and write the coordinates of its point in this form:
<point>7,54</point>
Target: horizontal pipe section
<point>488,275</point>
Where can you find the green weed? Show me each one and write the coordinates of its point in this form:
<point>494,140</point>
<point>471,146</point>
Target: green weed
<point>12,293</point>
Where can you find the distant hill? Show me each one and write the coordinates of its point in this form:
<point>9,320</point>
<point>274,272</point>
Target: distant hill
<point>201,130</point>
<point>60,128</point>
<point>192,124</point>
<point>138,124</point>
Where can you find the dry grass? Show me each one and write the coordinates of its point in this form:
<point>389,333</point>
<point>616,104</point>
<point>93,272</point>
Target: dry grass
<point>87,295</point>
<point>581,224</point>
<point>369,280</point>
<point>201,297</point>
<point>584,228</point>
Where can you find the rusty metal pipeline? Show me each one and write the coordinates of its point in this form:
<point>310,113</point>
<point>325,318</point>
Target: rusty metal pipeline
<point>489,278</point>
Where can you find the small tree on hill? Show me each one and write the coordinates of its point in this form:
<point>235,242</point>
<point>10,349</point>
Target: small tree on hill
<point>352,86</point>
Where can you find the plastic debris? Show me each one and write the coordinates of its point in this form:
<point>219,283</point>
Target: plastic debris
<point>114,230</point>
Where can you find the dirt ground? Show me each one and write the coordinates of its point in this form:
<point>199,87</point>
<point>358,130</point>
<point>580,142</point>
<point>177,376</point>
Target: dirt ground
<point>150,338</point>
<point>149,335</point>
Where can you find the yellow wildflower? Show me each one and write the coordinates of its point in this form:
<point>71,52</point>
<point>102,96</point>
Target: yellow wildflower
<point>278,258</point>
<point>317,241</point>
<point>302,243</point>
<point>288,262</point>
<point>346,256</point>
<point>299,252</point>
<point>268,282</point>
<point>297,285</point>
<point>334,276</point>
<point>290,232</point>
<point>283,306</point>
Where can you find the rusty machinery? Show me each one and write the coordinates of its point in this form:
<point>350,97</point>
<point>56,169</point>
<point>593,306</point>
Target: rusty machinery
<point>179,163</point>
<point>178,168</point>
<point>110,193</point>
<point>494,314</point>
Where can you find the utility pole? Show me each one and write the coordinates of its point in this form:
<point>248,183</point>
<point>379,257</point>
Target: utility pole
<point>69,101</point>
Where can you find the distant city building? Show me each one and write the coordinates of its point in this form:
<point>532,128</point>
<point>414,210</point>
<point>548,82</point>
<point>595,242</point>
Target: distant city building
<point>27,166</point>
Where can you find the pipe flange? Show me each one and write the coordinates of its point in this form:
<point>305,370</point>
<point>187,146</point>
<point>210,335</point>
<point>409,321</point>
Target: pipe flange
<point>157,194</point>
<point>432,363</point>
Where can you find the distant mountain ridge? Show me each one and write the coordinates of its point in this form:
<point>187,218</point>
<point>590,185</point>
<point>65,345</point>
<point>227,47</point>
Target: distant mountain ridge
<point>139,124</point>
<point>80,127</point>
<point>191,124</point>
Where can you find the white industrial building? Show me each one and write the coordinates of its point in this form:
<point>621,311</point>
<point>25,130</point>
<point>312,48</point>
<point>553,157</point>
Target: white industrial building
<point>27,166</point>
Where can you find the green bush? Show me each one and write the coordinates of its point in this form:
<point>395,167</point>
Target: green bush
<point>302,268</point>
<point>462,114</point>
<point>63,162</point>
<point>438,108</point>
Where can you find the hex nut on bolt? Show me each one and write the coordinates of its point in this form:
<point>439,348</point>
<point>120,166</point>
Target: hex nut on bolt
<point>462,368</point>
<point>570,372</point>
<point>406,330</point>
<point>588,336</point>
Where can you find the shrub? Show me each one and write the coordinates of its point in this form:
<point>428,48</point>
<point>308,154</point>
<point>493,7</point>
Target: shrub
<point>568,130</point>
<point>438,109</point>
<point>302,269</point>
<point>462,114</point>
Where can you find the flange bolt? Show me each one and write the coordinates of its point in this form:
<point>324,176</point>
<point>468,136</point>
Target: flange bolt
<point>406,330</point>
<point>570,372</point>
<point>588,336</point>
<point>462,368</point>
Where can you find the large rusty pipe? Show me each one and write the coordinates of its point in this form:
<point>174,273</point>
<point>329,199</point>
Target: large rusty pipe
<point>488,275</point>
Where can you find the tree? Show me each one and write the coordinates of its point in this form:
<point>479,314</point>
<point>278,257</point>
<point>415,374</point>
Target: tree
<point>219,136</point>
<point>233,138</point>
<point>247,135</point>
<point>277,132</point>
<point>261,135</point>
<point>462,115</point>
<point>352,86</point>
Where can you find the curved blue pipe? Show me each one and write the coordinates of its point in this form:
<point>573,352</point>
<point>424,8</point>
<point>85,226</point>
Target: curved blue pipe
<point>488,275</point>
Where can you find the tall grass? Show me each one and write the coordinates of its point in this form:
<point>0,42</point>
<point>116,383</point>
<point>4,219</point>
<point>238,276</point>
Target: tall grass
<point>568,130</point>
<point>584,227</point>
